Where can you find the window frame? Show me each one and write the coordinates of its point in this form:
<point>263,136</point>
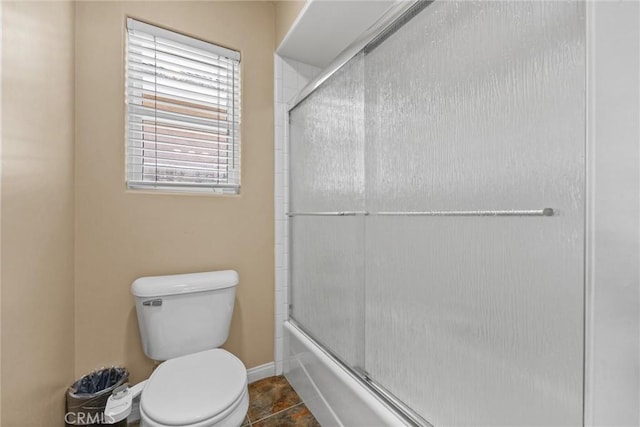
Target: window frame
<point>134,98</point>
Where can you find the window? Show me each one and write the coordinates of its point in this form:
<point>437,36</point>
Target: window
<point>183,112</point>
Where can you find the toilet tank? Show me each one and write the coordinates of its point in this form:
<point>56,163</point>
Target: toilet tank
<point>184,313</point>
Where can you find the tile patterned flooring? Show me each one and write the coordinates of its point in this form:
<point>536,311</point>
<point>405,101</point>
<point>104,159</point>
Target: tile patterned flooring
<point>274,403</point>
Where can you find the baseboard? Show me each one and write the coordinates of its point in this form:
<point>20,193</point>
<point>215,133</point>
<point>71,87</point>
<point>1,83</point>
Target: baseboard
<point>259,372</point>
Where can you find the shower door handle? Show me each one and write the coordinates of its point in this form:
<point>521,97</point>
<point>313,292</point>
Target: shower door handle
<point>504,212</point>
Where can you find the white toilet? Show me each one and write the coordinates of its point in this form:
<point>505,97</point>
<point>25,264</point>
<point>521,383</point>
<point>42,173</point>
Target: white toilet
<point>183,319</point>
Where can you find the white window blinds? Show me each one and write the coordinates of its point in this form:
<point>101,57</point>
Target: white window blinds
<point>183,112</point>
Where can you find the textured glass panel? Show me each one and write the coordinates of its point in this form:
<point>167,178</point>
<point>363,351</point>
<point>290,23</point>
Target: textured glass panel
<point>327,274</point>
<point>478,106</point>
<point>327,175</point>
<point>326,144</point>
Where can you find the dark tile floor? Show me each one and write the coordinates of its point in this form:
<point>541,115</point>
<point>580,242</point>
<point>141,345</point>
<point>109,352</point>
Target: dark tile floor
<point>274,403</point>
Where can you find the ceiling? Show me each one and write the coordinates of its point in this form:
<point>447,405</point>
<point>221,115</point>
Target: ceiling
<point>325,28</point>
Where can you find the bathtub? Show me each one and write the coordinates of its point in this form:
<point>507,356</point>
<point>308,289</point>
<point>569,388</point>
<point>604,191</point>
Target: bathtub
<point>332,393</point>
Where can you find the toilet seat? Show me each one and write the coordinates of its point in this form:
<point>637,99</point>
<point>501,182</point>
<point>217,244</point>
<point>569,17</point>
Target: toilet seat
<point>200,389</point>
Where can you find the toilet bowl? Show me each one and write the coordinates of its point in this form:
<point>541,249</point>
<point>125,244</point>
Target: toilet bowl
<point>198,390</point>
<point>183,319</point>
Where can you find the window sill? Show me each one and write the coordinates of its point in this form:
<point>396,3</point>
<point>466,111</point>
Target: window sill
<point>193,192</point>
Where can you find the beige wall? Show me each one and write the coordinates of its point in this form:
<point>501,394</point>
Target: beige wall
<point>122,235</point>
<point>37,325</point>
<point>286,13</point>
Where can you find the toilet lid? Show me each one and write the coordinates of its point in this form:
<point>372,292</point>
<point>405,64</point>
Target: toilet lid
<point>194,388</point>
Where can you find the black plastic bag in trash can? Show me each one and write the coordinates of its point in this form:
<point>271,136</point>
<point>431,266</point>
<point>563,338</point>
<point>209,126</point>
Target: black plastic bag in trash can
<point>87,397</point>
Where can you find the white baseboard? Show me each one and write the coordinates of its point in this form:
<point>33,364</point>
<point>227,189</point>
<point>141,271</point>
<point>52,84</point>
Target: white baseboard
<point>259,372</point>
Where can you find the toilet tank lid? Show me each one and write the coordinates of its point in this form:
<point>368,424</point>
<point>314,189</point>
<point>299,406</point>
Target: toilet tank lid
<point>175,284</point>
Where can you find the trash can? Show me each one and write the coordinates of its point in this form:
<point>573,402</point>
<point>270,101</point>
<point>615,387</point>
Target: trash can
<point>87,397</point>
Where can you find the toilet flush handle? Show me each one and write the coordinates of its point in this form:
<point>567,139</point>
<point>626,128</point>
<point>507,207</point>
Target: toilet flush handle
<point>152,302</point>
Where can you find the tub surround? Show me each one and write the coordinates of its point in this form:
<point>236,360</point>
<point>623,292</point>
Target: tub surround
<point>290,78</point>
<point>334,395</point>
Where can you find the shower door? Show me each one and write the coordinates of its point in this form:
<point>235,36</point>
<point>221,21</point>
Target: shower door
<point>467,109</point>
<point>476,106</point>
<point>327,250</point>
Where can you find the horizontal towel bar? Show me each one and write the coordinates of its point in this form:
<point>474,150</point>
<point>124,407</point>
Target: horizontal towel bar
<point>345,213</point>
<point>531,212</point>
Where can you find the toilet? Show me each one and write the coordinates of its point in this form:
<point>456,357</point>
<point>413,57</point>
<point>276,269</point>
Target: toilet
<point>183,319</point>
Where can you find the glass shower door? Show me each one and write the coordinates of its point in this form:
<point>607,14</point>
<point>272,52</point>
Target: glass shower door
<point>327,225</point>
<point>475,106</point>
